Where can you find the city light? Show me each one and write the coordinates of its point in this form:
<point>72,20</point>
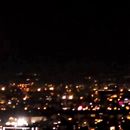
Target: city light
<point>99,100</point>
<point>39,89</point>
<point>81,98</point>
<point>80,108</point>
<point>64,97</point>
<point>112,128</point>
<point>21,122</point>
<point>51,88</point>
<point>69,119</point>
<point>3,88</point>
<point>70,97</point>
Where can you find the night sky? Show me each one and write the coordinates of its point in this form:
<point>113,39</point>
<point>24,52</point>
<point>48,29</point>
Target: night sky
<point>58,34</point>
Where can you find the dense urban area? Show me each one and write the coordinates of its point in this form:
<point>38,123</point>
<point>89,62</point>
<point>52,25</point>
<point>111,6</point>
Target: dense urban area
<point>28,103</point>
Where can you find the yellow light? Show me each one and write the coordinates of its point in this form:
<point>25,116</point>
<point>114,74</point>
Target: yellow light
<point>118,99</point>
<point>128,117</point>
<point>86,108</point>
<point>2,102</point>
<point>114,96</point>
<point>84,122</point>
<point>93,115</point>
<point>115,108</point>
<point>98,120</point>
<point>14,106</point>
<point>127,107</point>
<point>94,89</point>
<point>51,88</point>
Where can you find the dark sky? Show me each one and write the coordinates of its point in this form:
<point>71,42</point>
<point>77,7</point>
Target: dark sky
<point>64,32</point>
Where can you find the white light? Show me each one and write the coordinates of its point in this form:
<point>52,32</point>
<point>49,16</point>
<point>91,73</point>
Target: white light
<point>38,108</point>
<point>109,108</point>
<point>59,122</point>
<point>123,105</point>
<point>25,98</point>
<point>69,119</point>
<point>121,90</point>
<point>3,88</point>
<point>54,128</point>
<point>25,108</point>
<point>55,123</point>
<point>9,102</point>
<point>80,108</point>
<point>21,122</point>
<point>39,89</point>
<point>51,88</point>
<point>105,88</point>
<point>81,98</point>
<point>91,103</point>
<point>64,108</point>
<point>64,97</point>
<point>112,128</point>
<point>33,121</point>
<point>70,97</point>
<point>27,79</point>
<point>44,108</point>
<point>8,123</point>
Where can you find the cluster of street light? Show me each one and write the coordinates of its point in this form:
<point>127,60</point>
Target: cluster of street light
<point>91,97</point>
